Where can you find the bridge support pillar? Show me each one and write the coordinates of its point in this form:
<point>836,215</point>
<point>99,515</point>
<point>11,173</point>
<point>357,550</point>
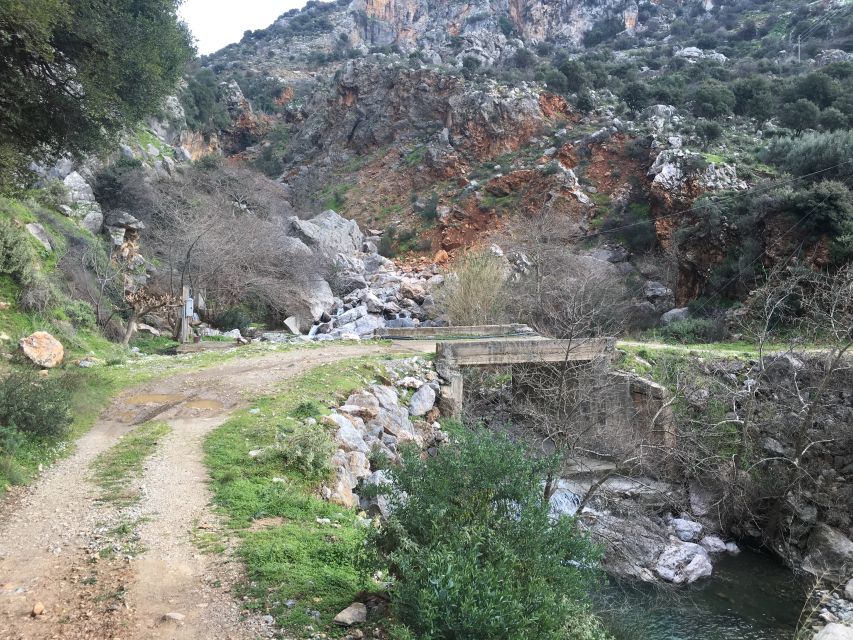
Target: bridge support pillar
<point>452,393</point>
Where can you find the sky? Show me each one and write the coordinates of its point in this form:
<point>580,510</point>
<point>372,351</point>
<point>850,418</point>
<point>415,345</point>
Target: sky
<point>216,23</point>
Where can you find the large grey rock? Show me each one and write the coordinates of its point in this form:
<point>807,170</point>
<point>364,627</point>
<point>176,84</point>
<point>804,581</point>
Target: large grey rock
<point>37,231</point>
<point>395,422</point>
<point>362,404</point>
<point>307,300</point>
<point>348,436</point>
<point>387,396</point>
<point>79,191</point>
<point>328,233</point>
<point>683,563</point>
<point>835,631</point>
<point>422,401</point>
<point>830,554</point>
<point>675,315</point>
<point>632,545</point>
<point>658,294</point>
<point>93,219</point>
<point>352,315</point>
<point>123,220</point>
<point>686,530</point>
<point>713,544</point>
<point>354,614</point>
<point>364,327</point>
<point>848,590</point>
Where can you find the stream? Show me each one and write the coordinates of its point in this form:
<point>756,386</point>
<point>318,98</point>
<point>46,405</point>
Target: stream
<point>749,597</point>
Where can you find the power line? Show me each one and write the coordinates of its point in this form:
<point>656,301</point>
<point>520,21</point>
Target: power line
<point>832,13</point>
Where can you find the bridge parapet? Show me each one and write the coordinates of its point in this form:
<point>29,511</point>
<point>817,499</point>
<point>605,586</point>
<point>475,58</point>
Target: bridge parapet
<point>452,357</point>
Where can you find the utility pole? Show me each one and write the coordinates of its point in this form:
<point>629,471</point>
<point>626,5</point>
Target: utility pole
<point>799,47</point>
<point>186,314</point>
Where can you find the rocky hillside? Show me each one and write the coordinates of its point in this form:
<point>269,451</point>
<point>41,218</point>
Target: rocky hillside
<point>436,123</point>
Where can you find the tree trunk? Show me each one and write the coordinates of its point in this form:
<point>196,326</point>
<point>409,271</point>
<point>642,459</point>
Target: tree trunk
<point>131,327</point>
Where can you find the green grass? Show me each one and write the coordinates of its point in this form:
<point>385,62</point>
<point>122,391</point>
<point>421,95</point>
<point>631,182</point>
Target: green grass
<point>416,156</point>
<point>714,158</point>
<point>92,389</point>
<point>297,559</point>
<point>146,136</point>
<point>117,468</point>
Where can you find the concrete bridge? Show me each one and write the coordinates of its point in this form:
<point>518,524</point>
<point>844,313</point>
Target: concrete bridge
<point>623,402</point>
<point>452,357</point>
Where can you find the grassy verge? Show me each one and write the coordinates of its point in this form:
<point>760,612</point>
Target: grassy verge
<point>116,468</point>
<point>92,389</point>
<point>300,552</point>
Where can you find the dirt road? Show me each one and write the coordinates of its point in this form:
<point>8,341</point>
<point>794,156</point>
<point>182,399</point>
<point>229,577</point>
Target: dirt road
<point>61,547</point>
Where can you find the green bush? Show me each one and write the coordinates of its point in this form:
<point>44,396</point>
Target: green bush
<point>34,405</point>
<point>693,330</point>
<point>712,99</point>
<point>80,314</point>
<point>828,153</point>
<point>430,209</point>
<point>474,553</point>
<point>15,253</point>
<point>234,318</point>
<point>307,451</point>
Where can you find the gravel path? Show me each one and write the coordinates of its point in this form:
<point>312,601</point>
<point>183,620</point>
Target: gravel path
<point>52,540</point>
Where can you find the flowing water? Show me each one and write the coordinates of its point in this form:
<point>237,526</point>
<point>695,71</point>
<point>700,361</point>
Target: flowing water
<point>749,597</point>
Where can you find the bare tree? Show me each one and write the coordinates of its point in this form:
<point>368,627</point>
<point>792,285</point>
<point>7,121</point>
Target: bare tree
<point>209,236</point>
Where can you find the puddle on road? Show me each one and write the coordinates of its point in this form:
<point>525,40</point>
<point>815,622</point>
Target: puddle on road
<point>154,398</point>
<point>204,404</point>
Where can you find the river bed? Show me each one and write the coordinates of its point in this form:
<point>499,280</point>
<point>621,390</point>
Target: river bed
<point>749,597</point>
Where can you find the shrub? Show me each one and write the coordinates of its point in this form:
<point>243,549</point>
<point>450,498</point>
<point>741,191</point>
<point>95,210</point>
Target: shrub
<point>712,99</point>
<point>15,253</point>
<point>35,406</point>
<point>474,294</point>
<point>507,26</point>
<point>800,115</point>
<point>80,314</point>
<point>307,451</point>
<point>234,318</point>
<point>430,209</point>
<point>556,81</point>
<point>693,330</point>
<point>633,226</point>
<point>387,244</point>
<point>474,552</point>
<point>831,119</point>
<point>110,182</point>
<point>813,152</point>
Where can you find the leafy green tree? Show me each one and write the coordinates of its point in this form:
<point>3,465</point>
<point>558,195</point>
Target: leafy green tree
<point>474,552</point>
<point>72,74</point>
<point>585,103</point>
<point>636,95</point>
<point>828,153</point>
<point>708,130</point>
<point>556,81</point>
<point>753,97</point>
<point>712,99</point>
<point>524,58</point>
<point>200,100</point>
<point>823,209</point>
<point>845,105</point>
<point>576,78</point>
<point>800,115</point>
<point>507,26</point>
<point>817,87</point>
<point>831,119</point>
